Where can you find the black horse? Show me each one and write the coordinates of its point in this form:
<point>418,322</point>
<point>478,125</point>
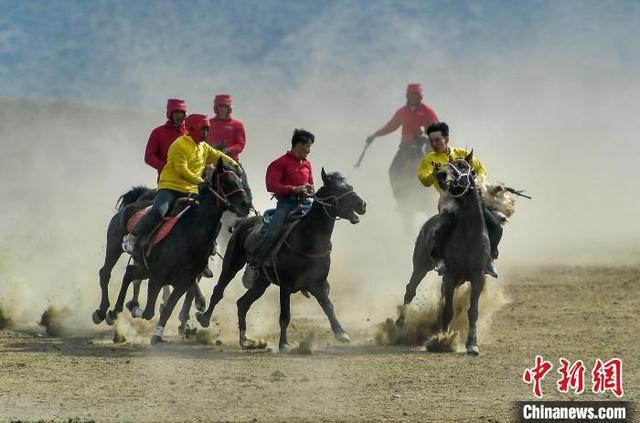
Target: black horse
<point>135,199</point>
<point>466,251</point>
<point>303,262</point>
<point>180,258</point>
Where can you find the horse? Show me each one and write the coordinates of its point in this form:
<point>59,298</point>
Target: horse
<point>302,264</point>
<point>135,199</point>
<point>179,259</point>
<point>466,251</point>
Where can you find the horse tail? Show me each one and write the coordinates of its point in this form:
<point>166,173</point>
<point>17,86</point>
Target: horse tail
<point>131,196</point>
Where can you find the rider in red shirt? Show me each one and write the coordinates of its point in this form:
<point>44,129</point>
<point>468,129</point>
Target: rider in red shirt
<point>412,116</point>
<point>226,134</point>
<point>162,137</point>
<point>290,179</point>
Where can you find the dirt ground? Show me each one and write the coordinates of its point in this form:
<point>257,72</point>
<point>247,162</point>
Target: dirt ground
<point>573,312</point>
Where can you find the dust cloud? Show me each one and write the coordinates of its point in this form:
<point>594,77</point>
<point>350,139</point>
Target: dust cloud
<point>551,112</point>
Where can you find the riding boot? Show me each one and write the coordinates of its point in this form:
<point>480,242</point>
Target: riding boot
<point>491,269</point>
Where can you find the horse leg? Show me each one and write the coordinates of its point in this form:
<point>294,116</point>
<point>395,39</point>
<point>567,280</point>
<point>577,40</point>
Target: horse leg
<point>132,272</point>
<point>420,270</point>
<point>322,296</point>
<point>177,292</point>
<point>153,290</point>
<point>199,300</point>
<point>448,288</point>
<point>166,292</point>
<point>477,284</point>
<point>234,260</point>
<point>244,303</point>
<point>113,253</point>
<point>184,329</point>
<point>134,305</point>
<point>285,317</point>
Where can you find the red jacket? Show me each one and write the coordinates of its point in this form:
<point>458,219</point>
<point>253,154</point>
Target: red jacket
<point>159,142</point>
<point>411,121</point>
<point>287,172</point>
<point>227,134</point>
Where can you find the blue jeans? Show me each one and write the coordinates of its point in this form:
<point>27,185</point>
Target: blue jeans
<point>276,224</point>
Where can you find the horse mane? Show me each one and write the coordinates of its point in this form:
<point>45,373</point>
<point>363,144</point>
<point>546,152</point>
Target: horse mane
<point>131,196</point>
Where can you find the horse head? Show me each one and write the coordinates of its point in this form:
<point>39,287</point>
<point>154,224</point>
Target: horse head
<point>226,185</point>
<point>457,177</point>
<point>338,198</point>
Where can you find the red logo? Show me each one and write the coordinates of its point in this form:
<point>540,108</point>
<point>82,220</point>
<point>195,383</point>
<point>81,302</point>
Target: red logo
<point>605,376</point>
<point>536,374</point>
<point>608,377</point>
<point>572,376</point>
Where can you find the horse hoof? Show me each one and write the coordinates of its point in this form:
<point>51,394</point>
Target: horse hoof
<point>203,319</point>
<point>187,330</point>
<point>98,316</point>
<point>110,318</point>
<point>400,322</point>
<point>284,347</point>
<point>132,305</point>
<point>155,340</point>
<point>473,350</point>
<point>343,337</point>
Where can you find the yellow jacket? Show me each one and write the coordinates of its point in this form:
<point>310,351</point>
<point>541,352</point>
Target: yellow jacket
<point>425,170</point>
<point>186,161</point>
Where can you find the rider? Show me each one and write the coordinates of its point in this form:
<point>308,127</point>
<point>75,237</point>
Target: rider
<point>162,137</point>
<point>290,179</point>
<point>226,134</point>
<point>441,155</point>
<point>180,177</point>
<point>414,115</point>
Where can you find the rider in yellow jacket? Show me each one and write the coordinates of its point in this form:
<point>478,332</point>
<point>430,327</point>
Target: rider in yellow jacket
<point>441,155</point>
<point>426,170</point>
<point>186,160</point>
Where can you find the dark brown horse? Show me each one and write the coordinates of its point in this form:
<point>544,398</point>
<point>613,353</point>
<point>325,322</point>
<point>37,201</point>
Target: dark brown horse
<point>466,251</point>
<point>303,262</point>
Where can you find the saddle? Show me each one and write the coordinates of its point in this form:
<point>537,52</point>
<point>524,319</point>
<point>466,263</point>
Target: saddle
<point>160,232</point>
<point>292,220</point>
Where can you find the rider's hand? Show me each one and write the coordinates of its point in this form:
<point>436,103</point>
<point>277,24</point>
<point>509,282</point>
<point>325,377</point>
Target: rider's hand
<point>436,167</point>
<point>370,139</point>
<point>309,188</point>
<point>300,191</point>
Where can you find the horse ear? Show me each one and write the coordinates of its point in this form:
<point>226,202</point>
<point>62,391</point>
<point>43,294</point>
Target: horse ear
<point>469,157</point>
<point>324,176</point>
<point>220,165</point>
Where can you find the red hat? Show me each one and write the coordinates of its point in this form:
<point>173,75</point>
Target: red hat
<point>194,124</point>
<point>221,100</point>
<point>414,88</point>
<point>175,105</point>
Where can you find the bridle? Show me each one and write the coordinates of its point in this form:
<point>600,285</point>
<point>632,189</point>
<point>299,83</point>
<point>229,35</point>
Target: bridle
<point>332,201</point>
<point>464,175</point>
<point>220,194</point>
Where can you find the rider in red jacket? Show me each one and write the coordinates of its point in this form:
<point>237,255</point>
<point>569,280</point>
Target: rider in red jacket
<point>226,134</point>
<point>163,136</point>
<point>412,116</point>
